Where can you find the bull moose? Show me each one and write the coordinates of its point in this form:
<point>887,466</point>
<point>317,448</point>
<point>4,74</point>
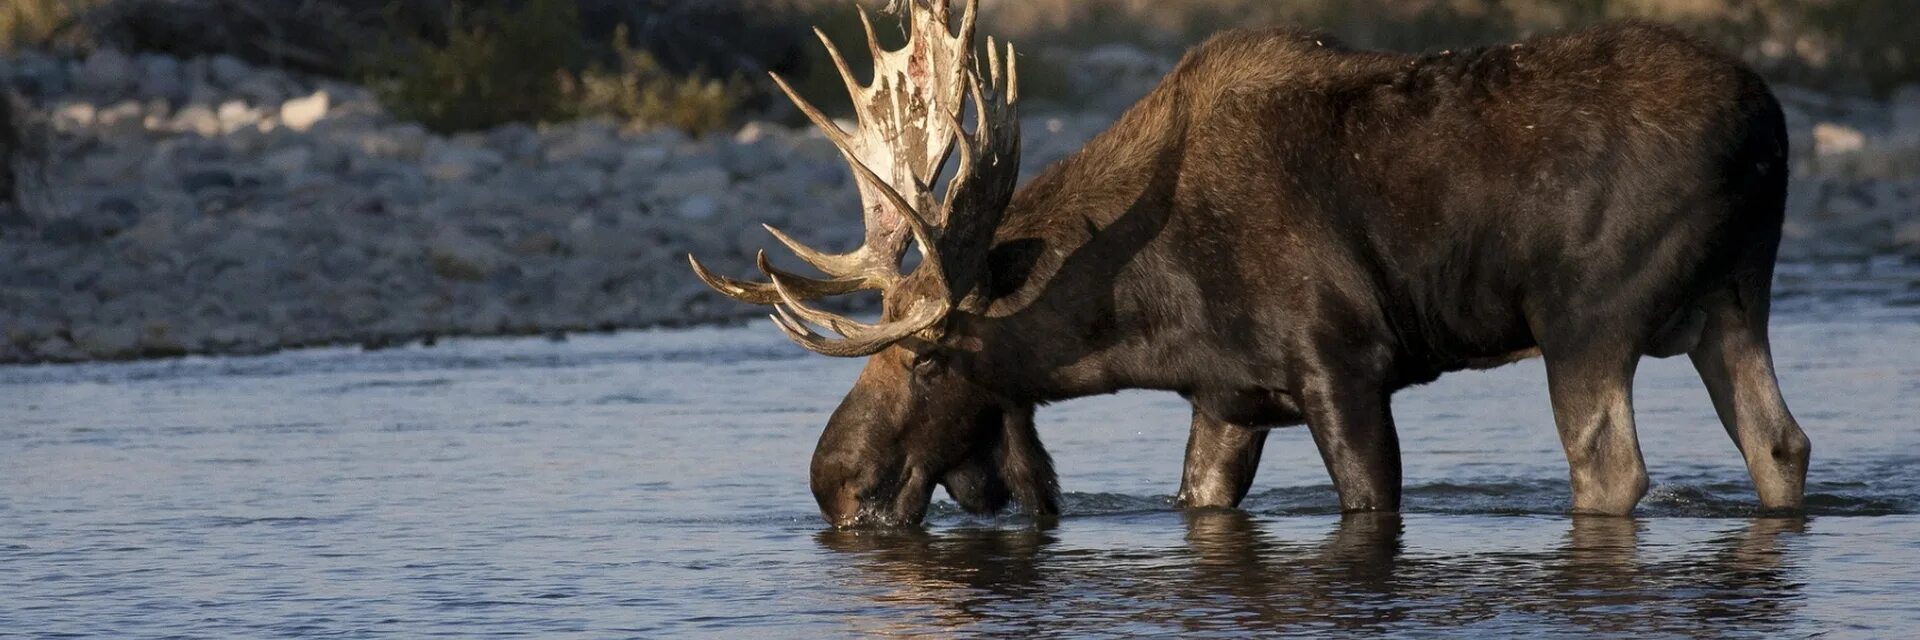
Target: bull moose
<point>1287,230</point>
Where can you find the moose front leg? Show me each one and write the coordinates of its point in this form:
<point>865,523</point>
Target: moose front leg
<point>1222,459</point>
<point>1353,427</point>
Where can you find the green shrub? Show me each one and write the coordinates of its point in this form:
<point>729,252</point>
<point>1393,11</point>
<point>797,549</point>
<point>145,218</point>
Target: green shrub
<point>500,65</point>
<point>636,88</point>
<point>495,66</point>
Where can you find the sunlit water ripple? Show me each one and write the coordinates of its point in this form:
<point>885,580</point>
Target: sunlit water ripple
<point>653,484</point>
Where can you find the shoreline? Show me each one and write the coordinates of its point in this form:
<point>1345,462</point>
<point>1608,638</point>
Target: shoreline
<point>1891,297</point>
<point>206,206</point>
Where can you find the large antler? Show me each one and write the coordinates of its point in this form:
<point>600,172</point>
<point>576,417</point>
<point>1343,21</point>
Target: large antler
<point>909,122</point>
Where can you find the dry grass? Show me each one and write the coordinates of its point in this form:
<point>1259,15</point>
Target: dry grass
<point>25,23</point>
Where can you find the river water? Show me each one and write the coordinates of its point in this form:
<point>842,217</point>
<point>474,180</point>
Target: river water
<point>653,484</point>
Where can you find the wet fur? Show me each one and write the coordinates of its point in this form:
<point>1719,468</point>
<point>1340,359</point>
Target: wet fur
<point>1288,230</point>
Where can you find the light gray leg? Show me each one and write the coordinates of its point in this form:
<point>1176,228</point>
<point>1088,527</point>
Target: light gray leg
<point>1736,362</point>
<point>1222,459</point>
<point>1592,393</point>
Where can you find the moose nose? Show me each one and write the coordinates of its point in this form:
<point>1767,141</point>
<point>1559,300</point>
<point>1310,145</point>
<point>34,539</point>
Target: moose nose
<point>839,507</point>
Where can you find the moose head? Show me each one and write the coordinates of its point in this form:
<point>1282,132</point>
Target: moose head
<point>914,419</point>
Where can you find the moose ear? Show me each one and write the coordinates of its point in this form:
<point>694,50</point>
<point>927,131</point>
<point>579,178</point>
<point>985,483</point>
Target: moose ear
<point>1011,264</point>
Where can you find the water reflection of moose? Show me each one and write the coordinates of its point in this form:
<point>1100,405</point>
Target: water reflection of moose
<point>1233,575</point>
<point>1287,231</point>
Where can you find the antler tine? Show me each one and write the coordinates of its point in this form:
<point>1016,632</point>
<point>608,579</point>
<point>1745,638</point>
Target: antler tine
<point>860,339</point>
<point>964,167</point>
<point>844,265</point>
<point>1013,77</point>
<point>860,347</point>
<point>764,293</point>
<point>922,230</point>
<point>873,41</point>
<point>839,324</point>
<point>909,121</point>
<point>969,19</point>
<point>840,64</point>
<point>994,119</point>
<point>833,131</point>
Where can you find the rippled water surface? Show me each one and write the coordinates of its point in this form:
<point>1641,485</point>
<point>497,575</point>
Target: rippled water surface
<point>654,485</point>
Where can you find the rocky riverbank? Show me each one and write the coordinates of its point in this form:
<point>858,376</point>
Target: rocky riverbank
<point>208,206</point>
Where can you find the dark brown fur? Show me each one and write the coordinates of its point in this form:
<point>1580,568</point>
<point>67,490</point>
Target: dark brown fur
<point>1288,230</point>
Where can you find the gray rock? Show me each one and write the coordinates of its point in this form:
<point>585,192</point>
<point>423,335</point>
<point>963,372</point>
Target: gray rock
<point>679,185</point>
<point>124,120</point>
<point>645,159</point>
<point>160,337</point>
<point>33,74</point>
<point>161,77</point>
<point>591,141</point>
<point>751,159</point>
<point>57,349</point>
<point>458,256</point>
<point>108,342</point>
<point>107,73</point>
<point>514,140</point>
<point>228,71</point>
<point>263,90</point>
<point>1906,237</point>
<point>116,213</point>
<point>456,163</point>
<point>200,180</point>
<point>404,141</point>
<point>361,309</point>
<point>288,161</point>
<point>152,235</point>
<point>1906,111</point>
<point>245,337</point>
<point>573,182</point>
<point>28,330</point>
<point>68,231</point>
<point>697,207</point>
<point>345,262</point>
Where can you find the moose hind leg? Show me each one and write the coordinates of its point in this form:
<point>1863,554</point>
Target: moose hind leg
<point>1735,361</point>
<point>1222,459</point>
<point>1592,392</point>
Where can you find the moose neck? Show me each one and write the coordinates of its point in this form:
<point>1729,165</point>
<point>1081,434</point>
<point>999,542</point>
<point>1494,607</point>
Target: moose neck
<point>1072,283</point>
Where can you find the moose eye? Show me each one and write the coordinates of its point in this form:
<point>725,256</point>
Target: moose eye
<point>927,362</point>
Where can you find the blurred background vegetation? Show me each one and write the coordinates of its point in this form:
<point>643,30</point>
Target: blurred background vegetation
<point>471,64</point>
